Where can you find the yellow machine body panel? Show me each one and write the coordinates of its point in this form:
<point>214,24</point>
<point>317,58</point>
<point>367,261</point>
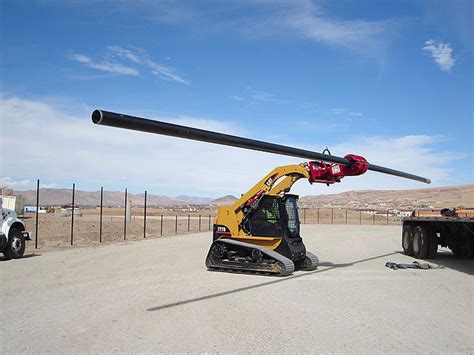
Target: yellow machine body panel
<point>278,181</point>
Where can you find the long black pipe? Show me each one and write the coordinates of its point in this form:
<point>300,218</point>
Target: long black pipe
<point>168,129</point>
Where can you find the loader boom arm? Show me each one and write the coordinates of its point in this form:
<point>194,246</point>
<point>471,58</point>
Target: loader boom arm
<point>289,173</point>
<point>281,179</point>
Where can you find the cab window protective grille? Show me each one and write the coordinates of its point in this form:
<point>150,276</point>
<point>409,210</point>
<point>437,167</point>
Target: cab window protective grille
<point>291,209</point>
<point>266,220</point>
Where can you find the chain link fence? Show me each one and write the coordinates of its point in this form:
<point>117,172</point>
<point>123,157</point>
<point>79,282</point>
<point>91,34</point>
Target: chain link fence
<point>104,224</point>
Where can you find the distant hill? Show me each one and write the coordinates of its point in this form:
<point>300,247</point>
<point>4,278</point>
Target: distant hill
<point>437,197</point>
<point>222,201</point>
<point>450,196</point>
<point>56,197</point>
<point>194,200</point>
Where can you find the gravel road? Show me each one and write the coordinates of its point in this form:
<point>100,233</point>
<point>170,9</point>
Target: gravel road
<point>156,296</point>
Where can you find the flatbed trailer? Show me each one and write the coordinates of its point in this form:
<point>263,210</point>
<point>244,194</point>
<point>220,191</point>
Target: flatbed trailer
<point>423,231</point>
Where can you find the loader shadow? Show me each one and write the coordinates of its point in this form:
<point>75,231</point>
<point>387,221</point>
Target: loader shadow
<point>330,266</point>
<point>26,256</point>
<point>446,259</point>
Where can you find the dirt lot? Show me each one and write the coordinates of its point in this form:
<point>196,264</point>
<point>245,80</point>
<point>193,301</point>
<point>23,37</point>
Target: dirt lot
<point>156,296</point>
<point>55,231</point>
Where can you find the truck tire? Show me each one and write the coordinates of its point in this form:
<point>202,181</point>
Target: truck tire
<point>421,242</point>
<point>433,244</point>
<point>15,246</point>
<point>407,239</point>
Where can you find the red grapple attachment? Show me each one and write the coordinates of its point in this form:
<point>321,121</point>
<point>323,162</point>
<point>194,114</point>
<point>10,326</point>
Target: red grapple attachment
<point>331,173</point>
<point>358,167</point>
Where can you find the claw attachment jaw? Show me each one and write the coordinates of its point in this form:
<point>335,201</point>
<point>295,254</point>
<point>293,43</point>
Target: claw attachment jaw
<point>327,173</point>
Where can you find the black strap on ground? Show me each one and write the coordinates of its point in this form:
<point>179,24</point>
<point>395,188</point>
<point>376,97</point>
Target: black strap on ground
<point>414,265</point>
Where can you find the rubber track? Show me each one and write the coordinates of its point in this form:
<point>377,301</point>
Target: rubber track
<point>314,261</point>
<point>287,264</point>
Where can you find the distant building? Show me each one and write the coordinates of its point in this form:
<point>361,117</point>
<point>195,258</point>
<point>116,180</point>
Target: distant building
<point>32,209</point>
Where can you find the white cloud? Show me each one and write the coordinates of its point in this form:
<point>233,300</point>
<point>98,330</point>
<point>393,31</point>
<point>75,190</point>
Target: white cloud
<point>114,68</point>
<point>280,18</point>
<point>252,97</point>
<point>70,148</point>
<point>238,98</point>
<point>441,53</point>
<point>306,19</point>
<point>49,186</point>
<point>9,182</point>
<point>309,20</point>
<point>264,96</point>
<point>137,58</point>
<point>80,58</point>
<point>338,111</point>
<point>166,73</point>
<point>110,67</point>
<point>141,57</point>
<point>124,53</point>
<point>413,154</point>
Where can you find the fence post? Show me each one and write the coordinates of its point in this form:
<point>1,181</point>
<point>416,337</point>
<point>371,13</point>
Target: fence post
<point>373,218</point>
<point>387,217</point>
<point>209,222</point>
<point>101,206</point>
<point>346,215</point>
<point>318,215</point>
<point>37,210</point>
<point>332,215</point>
<point>144,216</point>
<point>199,222</point>
<point>72,214</point>
<point>360,217</point>
<point>189,222</point>
<point>176,225</point>
<point>125,218</point>
<point>161,225</point>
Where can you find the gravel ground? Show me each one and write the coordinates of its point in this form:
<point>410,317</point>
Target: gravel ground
<point>156,296</point>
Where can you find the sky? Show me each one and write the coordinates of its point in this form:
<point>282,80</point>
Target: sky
<point>389,80</point>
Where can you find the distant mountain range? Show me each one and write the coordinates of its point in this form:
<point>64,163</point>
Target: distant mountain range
<point>436,197</point>
<point>225,200</point>
<point>194,199</point>
<point>57,197</point>
<point>450,196</point>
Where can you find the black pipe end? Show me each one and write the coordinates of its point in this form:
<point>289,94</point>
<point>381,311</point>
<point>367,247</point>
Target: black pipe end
<point>97,116</point>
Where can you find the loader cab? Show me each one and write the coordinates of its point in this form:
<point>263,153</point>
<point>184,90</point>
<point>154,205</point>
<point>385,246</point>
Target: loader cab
<point>275,216</point>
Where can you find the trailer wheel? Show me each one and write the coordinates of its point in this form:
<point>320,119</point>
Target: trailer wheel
<point>407,239</point>
<point>15,246</point>
<point>421,241</point>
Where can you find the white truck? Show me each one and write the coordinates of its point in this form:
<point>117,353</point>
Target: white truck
<point>13,234</point>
